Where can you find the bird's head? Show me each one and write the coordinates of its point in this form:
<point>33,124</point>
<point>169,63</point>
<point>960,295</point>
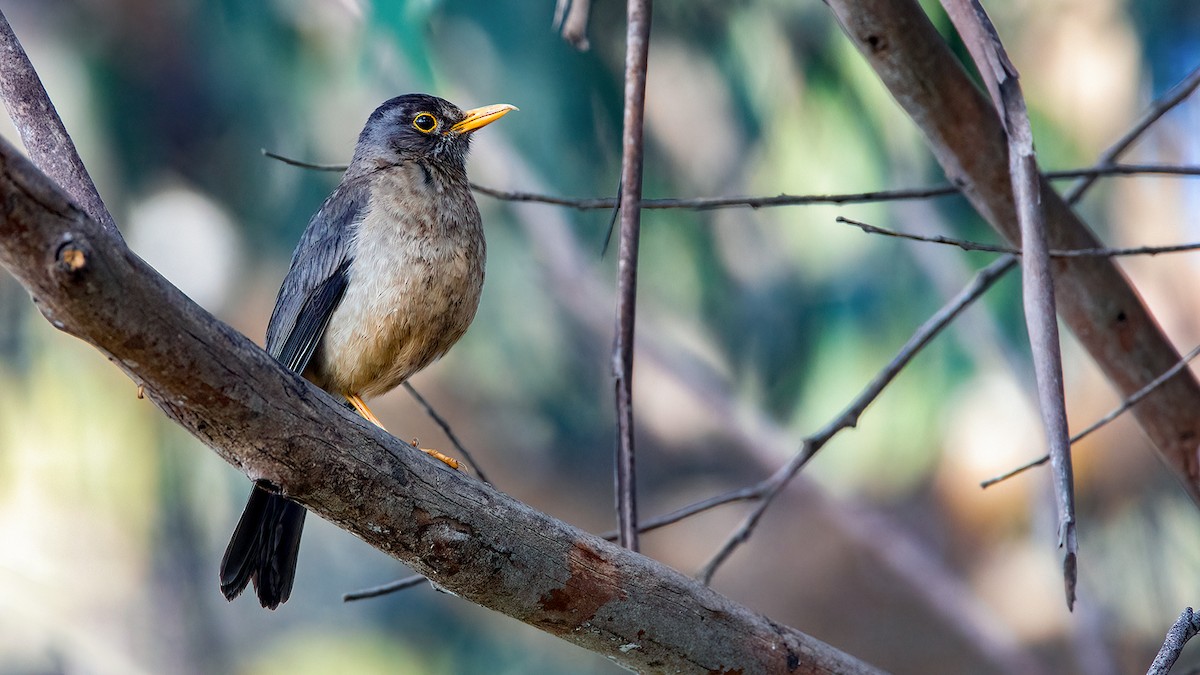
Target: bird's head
<point>421,127</point>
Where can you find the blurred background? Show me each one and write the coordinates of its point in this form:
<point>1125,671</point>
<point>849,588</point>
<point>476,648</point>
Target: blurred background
<point>756,327</point>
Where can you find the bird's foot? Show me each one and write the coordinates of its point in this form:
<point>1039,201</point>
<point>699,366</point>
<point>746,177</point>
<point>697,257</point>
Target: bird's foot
<point>356,401</point>
<point>445,459</point>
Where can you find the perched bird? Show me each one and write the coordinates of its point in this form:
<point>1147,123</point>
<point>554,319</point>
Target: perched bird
<point>385,279</point>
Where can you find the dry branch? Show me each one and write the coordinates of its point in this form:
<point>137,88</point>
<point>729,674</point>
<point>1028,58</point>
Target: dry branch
<point>968,245</point>
<point>967,138</point>
<point>42,130</point>
<point>1037,284</point>
<point>637,48</point>
<point>459,532</point>
<point>1105,168</point>
<point>1185,628</point>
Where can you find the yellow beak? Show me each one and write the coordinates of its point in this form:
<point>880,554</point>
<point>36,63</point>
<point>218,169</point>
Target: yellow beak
<point>481,117</point>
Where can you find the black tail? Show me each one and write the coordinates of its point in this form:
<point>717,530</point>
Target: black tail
<point>263,549</point>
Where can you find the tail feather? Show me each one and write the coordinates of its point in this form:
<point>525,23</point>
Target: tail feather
<point>263,549</point>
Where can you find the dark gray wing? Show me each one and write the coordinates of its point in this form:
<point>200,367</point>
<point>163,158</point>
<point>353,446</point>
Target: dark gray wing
<point>317,279</point>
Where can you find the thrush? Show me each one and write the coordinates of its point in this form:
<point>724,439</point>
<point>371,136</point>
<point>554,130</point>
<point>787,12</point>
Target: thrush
<point>385,279</point>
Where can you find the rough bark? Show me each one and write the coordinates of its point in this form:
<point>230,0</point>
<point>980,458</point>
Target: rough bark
<point>42,130</point>
<point>464,535</point>
<point>1094,298</point>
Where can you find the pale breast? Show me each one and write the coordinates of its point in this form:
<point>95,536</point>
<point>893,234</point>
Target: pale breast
<point>414,283</point>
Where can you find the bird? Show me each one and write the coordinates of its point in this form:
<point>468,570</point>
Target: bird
<point>386,278</point>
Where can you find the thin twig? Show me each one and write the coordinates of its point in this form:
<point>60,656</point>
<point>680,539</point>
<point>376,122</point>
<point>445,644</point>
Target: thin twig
<point>1112,415</point>
<point>750,493</point>
<point>968,245</point>
<point>849,417</point>
<point>1037,283</point>
<point>1172,98</point>
<point>391,587</point>
<point>903,194</point>
<point>1110,169</point>
<point>301,163</point>
<point>441,422</point>
<point>637,48</point>
<point>1185,628</point>
<point>709,203</point>
<point>612,223</point>
<point>42,130</point>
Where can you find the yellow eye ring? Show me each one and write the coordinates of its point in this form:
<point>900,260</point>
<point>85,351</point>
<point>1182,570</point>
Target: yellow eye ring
<point>424,122</point>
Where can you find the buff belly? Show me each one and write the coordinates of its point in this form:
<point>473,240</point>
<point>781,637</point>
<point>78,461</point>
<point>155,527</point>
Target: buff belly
<point>409,297</point>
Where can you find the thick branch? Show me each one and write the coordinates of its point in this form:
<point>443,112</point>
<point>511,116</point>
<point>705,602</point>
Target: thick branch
<point>967,138</point>
<point>459,532</point>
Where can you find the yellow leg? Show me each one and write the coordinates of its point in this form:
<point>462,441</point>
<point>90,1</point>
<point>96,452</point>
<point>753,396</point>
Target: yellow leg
<point>356,401</point>
<point>363,410</point>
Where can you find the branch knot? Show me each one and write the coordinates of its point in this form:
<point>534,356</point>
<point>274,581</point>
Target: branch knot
<point>71,257</point>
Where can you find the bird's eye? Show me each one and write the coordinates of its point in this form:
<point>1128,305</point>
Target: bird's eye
<point>424,122</point>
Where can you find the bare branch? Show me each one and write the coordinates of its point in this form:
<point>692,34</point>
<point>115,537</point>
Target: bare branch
<point>414,580</point>
<point>1037,283</point>
<point>42,131</point>
<point>967,245</point>
<point>303,164</point>
<point>637,48</point>
<point>757,202</point>
<point>711,203</point>
<point>993,273</point>
<point>750,493</point>
<point>1185,628</point>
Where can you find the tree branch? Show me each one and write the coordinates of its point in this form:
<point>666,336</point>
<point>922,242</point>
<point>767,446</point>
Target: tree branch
<point>968,245</point>
<point>1037,283</point>
<point>1094,298</point>
<point>461,533</point>
<point>637,47</point>
<point>1185,628</point>
<point>42,131</point>
<point>1106,168</point>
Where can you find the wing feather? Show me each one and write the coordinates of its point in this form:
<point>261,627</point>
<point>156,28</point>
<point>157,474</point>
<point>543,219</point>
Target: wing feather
<point>317,279</point>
